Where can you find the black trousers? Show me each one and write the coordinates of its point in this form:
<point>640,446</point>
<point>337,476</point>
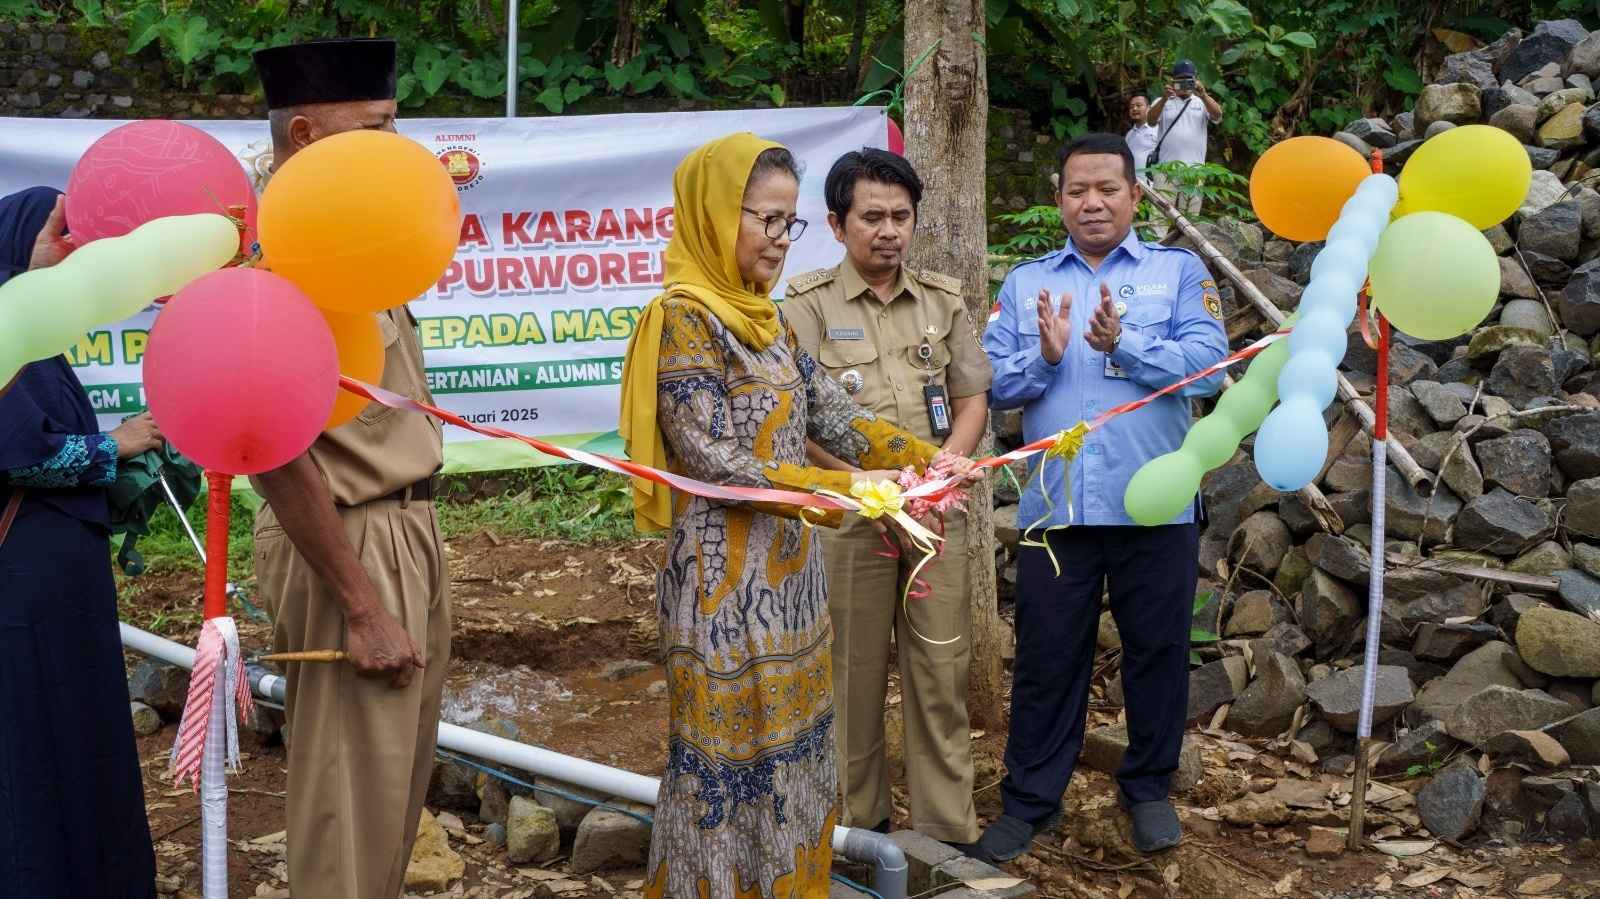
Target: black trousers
<point>1152,574</point>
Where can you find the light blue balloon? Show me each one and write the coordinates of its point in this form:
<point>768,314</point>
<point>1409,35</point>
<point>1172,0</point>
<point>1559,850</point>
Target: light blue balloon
<point>1334,290</point>
<point>1291,445</point>
<point>1319,329</point>
<point>1343,256</point>
<point>1382,186</point>
<point>1309,373</point>
<point>1356,231</point>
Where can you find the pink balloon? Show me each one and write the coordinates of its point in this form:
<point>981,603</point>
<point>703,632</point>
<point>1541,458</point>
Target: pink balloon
<point>897,138</point>
<point>241,371</point>
<point>151,169</point>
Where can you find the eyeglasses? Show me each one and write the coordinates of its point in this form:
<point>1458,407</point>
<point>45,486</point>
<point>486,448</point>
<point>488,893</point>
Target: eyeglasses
<point>777,225</point>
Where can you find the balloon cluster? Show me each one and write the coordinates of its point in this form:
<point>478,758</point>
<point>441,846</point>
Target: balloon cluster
<point>1294,439</point>
<point>243,364</point>
<point>1416,245</point>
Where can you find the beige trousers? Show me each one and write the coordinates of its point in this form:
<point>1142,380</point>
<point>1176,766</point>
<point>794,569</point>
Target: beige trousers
<point>864,592</point>
<point>361,751</point>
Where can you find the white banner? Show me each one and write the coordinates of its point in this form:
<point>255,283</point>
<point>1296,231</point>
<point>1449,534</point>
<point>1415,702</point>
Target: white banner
<point>565,223</point>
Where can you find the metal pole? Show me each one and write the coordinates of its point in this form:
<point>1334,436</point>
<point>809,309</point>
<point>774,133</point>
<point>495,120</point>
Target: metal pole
<point>177,507</point>
<point>511,59</point>
<point>1369,671</point>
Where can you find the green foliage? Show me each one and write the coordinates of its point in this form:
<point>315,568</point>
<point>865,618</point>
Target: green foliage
<point>1222,191</point>
<point>1035,231</point>
<point>565,502</point>
<point>1431,766</point>
<point>894,98</point>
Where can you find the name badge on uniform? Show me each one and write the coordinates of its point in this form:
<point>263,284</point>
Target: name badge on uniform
<point>938,409</point>
<point>1113,370</point>
<point>847,334</point>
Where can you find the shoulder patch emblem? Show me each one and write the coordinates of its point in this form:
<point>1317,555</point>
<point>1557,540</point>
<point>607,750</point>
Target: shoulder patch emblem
<point>940,282</point>
<point>1213,303</point>
<point>809,281</point>
<point>1208,284</point>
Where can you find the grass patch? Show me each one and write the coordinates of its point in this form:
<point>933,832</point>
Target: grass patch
<point>563,502</point>
<point>167,548</point>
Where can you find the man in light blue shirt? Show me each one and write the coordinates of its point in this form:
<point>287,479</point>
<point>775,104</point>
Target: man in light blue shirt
<point>1102,321</point>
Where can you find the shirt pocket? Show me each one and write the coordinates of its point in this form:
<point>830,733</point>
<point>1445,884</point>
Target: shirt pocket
<point>1149,319</point>
<point>376,412</point>
<point>841,358</point>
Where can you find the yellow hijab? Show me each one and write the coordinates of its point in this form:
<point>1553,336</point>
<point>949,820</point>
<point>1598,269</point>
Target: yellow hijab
<point>707,192</point>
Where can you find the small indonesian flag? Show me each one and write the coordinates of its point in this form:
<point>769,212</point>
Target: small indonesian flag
<point>994,312</point>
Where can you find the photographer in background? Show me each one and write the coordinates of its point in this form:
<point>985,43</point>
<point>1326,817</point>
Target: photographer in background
<point>1183,117</point>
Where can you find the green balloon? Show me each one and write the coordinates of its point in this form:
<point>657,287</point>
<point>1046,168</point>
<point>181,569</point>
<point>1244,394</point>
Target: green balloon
<point>46,312</point>
<point>1162,488</point>
<point>1434,276</point>
<point>1211,441</point>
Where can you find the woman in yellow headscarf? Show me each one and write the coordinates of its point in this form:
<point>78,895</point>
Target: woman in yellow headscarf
<point>715,388</point>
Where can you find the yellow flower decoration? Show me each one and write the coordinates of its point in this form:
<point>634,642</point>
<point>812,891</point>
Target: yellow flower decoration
<point>878,498</point>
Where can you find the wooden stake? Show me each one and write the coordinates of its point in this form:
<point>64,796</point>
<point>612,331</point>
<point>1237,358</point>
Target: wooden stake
<point>1358,797</point>
<point>310,655</point>
<point>1419,479</point>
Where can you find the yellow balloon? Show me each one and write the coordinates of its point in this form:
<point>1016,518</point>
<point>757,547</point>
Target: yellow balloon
<point>1478,173</point>
<point>1298,186</point>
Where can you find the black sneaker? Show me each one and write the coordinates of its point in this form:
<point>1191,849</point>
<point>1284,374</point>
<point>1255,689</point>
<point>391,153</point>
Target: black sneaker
<point>1009,837</point>
<point>1155,826</point>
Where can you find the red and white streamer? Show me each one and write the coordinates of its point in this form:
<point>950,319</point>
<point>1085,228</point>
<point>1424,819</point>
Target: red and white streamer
<point>208,742</point>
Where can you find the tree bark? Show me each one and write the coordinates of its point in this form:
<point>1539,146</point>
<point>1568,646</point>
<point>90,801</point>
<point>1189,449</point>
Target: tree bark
<point>858,39</point>
<point>625,46</point>
<point>946,128</point>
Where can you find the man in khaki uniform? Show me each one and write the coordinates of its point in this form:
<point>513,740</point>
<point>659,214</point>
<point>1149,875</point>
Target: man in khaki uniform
<point>901,342</point>
<point>349,556</point>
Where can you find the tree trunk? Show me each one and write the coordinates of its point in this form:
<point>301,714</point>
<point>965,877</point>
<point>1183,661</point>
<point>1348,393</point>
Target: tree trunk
<point>946,128</point>
<point>797,24</point>
<point>858,39</point>
<point>626,44</point>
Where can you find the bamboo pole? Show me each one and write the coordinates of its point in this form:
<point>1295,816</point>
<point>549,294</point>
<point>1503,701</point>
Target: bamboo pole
<point>1419,479</point>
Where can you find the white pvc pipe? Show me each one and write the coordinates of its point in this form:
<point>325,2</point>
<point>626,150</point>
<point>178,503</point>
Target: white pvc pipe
<point>870,847</point>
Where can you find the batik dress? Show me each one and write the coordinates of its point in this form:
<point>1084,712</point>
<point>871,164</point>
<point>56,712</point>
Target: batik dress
<point>748,803</point>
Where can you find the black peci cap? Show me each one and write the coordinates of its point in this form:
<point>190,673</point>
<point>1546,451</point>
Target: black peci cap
<point>343,70</point>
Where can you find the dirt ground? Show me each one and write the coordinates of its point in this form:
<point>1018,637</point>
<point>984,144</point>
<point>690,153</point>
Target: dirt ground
<point>538,624</point>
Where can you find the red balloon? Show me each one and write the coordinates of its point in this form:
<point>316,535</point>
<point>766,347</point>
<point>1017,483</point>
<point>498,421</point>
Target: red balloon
<point>241,371</point>
<point>152,169</point>
<point>897,138</point>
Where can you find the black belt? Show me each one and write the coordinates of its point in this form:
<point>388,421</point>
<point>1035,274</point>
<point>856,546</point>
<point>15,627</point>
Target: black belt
<point>421,491</point>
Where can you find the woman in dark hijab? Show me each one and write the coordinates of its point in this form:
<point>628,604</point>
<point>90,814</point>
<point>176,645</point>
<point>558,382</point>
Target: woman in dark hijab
<point>72,815</point>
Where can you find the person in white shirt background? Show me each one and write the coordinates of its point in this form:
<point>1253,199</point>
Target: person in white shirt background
<point>1141,136</point>
<point>1183,117</point>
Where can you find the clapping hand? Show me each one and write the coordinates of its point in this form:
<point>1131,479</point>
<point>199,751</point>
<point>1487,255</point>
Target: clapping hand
<point>1105,327</point>
<point>1055,326</point>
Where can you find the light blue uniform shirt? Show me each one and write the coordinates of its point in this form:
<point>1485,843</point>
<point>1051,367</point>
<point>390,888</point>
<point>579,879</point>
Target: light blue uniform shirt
<point>1171,327</point>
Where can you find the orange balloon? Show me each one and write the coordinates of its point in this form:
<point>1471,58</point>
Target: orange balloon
<point>360,344</point>
<point>361,221</point>
<point>1299,186</point>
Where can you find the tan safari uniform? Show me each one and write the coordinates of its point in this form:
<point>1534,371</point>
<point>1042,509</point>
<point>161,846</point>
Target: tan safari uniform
<point>361,751</point>
<point>884,354</point>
